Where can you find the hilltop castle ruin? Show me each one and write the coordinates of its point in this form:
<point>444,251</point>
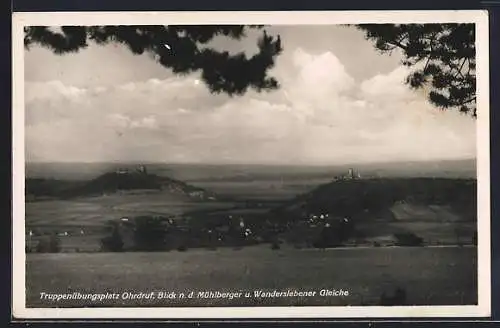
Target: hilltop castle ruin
<point>140,169</point>
<point>351,175</point>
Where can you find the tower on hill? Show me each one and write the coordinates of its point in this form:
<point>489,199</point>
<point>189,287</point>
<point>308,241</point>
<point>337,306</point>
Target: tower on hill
<point>142,169</point>
<point>351,174</point>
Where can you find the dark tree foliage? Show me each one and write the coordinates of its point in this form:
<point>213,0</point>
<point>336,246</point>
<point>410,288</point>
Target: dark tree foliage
<point>186,50</point>
<point>113,242</point>
<point>150,234</point>
<point>335,235</point>
<point>50,244</point>
<point>408,239</point>
<point>474,238</point>
<point>443,57</point>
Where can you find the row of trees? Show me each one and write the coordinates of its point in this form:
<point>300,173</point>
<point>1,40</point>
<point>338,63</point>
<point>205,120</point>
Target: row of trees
<point>47,244</point>
<point>151,234</point>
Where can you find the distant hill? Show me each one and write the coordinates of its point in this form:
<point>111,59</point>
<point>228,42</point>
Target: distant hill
<point>110,182</point>
<point>429,207</point>
<point>351,197</point>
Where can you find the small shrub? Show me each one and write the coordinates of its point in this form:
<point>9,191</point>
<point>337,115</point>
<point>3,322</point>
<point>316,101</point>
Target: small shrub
<point>474,238</point>
<point>408,239</point>
<point>55,244</point>
<point>259,239</point>
<point>150,234</point>
<point>112,243</point>
<point>182,248</point>
<point>51,244</point>
<point>275,246</point>
<point>376,244</point>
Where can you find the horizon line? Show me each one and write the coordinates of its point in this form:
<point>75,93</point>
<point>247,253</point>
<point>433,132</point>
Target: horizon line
<point>253,164</point>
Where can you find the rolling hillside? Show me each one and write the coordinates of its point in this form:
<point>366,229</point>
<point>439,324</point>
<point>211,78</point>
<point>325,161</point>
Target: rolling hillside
<point>355,197</point>
<point>111,182</point>
<point>437,210</point>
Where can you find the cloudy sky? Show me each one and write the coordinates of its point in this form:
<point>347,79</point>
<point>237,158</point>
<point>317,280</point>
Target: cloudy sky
<point>340,102</point>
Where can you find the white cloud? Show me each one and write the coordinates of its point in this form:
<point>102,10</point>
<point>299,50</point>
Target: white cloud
<point>320,115</point>
<point>321,74</point>
<point>122,121</point>
<point>388,85</point>
<point>49,90</point>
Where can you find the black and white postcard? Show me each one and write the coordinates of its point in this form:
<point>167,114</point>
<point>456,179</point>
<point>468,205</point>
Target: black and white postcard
<point>251,165</point>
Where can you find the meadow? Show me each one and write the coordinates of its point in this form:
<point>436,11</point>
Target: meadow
<point>99,209</point>
<point>430,276</point>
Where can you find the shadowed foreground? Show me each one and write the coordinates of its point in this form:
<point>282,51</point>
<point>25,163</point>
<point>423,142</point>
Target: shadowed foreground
<point>430,276</point>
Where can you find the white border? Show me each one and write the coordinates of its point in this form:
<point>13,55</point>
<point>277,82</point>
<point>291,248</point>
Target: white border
<point>480,18</point>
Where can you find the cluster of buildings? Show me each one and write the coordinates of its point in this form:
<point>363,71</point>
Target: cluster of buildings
<point>351,175</point>
<point>324,219</point>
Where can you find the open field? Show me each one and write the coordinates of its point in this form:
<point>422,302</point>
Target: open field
<point>430,276</point>
<point>97,210</point>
